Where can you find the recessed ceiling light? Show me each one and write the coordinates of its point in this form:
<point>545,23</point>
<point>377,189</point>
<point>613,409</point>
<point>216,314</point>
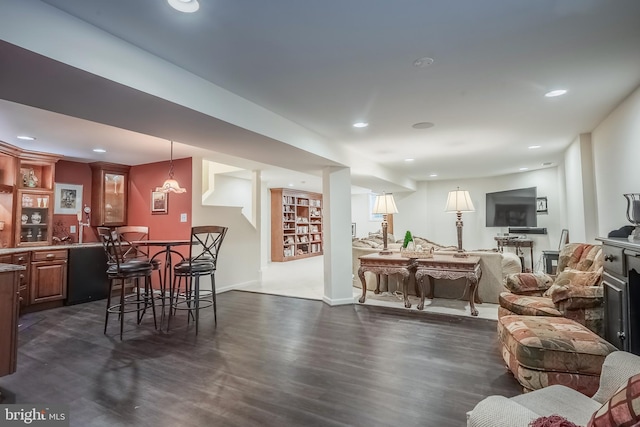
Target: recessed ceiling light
<point>186,6</point>
<point>26,138</point>
<point>422,125</point>
<point>290,185</point>
<point>533,147</point>
<point>360,125</point>
<point>423,62</point>
<point>554,93</point>
<point>433,175</point>
<point>524,169</point>
<point>99,150</point>
<point>409,160</point>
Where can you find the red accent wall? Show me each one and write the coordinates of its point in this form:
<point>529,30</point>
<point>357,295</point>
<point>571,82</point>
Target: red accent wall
<point>68,172</point>
<point>142,180</point>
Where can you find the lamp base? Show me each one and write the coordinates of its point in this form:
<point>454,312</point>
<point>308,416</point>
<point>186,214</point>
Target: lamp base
<point>385,252</point>
<point>460,255</point>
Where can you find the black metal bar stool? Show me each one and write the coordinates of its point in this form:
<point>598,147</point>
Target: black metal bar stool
<point>130,237</point>
<point>208,239</point>
<point>119,271</point>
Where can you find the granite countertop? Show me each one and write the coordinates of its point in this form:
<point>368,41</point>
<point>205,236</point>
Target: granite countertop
<point>8,251</point>
<point>5,268</point>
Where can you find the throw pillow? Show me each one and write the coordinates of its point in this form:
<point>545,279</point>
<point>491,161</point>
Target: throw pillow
<point>552,421</point>
<point>578,278</point>
<point>622,410</point>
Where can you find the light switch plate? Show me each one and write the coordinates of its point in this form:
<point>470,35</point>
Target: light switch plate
<point>72,229</point>
<point>183,217</point>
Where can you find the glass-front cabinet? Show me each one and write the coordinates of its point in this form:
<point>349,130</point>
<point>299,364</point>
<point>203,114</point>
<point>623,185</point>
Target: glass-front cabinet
<point>35,215</point>
<point>26,196</point>
<point>109,194</point>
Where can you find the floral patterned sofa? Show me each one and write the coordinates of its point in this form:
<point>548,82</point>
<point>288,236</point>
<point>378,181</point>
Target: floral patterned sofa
<point>495,266</point>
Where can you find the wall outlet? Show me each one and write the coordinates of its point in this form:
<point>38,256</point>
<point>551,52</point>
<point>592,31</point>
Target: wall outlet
<point>72,229</point>
<point>183,217</point>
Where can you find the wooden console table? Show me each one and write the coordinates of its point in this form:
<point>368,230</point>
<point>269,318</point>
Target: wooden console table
<point>518,244</point>
<point>451,268</point>
<point>387,264</point>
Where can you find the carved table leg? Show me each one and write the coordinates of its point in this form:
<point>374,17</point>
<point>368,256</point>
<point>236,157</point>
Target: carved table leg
<point>405,289</point>
<point>477,299</point>
<point>420,287</point>
<point>364,285</point>
<point>377,291</point>
<point>473,290</point>
<point>432,286</point>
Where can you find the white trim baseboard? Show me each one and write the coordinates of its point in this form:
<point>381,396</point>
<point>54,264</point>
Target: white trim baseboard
<point>334,302</point>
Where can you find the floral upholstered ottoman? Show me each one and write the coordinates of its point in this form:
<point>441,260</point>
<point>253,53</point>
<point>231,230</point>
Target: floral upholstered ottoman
<point>541,351</point>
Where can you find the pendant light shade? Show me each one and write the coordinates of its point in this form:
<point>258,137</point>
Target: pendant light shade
<point>170,185</point>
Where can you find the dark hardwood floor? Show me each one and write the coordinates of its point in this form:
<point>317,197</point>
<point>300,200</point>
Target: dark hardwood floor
<point>271,361</point>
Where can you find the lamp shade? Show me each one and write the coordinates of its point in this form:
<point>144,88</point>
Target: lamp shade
<point>459,201</point>
<point>385,204</point>
<point>171,186</point>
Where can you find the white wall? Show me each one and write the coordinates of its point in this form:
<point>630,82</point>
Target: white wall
<point>231,191</point>
<point>360,209</point>
<point>616,149</point>
<point>239,263</point>
<point>580,190</point>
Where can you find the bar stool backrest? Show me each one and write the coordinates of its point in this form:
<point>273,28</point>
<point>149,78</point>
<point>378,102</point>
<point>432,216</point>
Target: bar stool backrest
<point>111,245</point>
<point>132,233</point>
<point>209,239</point>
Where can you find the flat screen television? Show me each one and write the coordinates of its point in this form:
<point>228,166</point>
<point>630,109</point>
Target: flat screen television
<point>512,208</point>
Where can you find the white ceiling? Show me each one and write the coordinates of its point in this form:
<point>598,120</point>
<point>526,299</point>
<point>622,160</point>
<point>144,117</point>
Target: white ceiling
<point>326,65</point>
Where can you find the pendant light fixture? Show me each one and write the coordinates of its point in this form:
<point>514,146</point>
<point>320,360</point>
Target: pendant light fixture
<point>170,184</point>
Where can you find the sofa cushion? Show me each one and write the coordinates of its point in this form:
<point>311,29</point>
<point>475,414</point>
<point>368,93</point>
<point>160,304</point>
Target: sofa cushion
<point>623,409</point>
<point>528,283</point>
<point>528,305</point>
<point>553,344</point>
<point>580,256</point>
<point>571,277</point>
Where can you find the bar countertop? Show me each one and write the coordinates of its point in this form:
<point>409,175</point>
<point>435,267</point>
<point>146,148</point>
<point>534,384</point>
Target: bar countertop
<point>9,251</point>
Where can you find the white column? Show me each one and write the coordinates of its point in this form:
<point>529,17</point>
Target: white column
<point>336,234</point>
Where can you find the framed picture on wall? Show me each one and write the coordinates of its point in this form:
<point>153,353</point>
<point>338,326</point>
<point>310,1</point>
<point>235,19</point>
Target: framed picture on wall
<point>541,205</point>
<point>67,199</point>
<point>159,203</point>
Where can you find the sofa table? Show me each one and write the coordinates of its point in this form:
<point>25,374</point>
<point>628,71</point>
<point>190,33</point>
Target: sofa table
<point>518,243</point>
<point>387,264</point>
<point>450,267</point>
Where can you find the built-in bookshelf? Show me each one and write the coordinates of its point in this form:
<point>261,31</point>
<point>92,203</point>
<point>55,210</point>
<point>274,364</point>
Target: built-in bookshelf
<point>296,224</point>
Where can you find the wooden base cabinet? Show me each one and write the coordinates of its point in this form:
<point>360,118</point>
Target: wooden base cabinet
<point>9,279</point>
<point>296,224</point>
<point>48,276</point>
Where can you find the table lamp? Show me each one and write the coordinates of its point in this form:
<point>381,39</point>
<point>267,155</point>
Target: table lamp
<point>459,201</point>
<point>385,205</point>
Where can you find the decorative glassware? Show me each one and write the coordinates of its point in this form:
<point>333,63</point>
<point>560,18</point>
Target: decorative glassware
<point>24,218</point>
<point>633,215</point>
<point>36,218</point>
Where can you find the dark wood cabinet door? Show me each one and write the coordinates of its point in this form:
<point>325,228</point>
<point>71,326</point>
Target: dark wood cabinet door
<point>22,258</point>
<point>48,281</point>
<point>8,322</point>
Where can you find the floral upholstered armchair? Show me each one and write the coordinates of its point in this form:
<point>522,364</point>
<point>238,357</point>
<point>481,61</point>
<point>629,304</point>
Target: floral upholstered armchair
<point>575,292</point>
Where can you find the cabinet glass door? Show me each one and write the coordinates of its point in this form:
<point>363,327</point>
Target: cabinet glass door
<point>33,218</point>
<point>115,188</point>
